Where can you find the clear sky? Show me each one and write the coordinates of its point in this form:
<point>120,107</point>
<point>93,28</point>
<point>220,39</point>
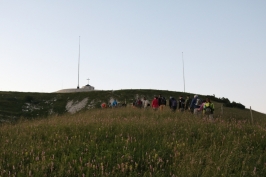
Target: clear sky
<point>136,44</point>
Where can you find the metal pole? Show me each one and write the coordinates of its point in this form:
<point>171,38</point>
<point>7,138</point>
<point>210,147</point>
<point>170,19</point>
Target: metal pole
<point>78,63</point>
<point>183,73</point>
<point>251,115</point>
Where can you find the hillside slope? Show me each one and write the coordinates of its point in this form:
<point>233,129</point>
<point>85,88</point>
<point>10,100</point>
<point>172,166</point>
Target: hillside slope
<point>132,142</point>
<point>14,105</point>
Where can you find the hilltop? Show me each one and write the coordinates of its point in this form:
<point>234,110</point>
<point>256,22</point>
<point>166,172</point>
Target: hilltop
<point>15,105</point>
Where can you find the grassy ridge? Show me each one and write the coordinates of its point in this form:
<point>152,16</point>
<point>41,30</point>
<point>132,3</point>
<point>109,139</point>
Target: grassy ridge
<point>133,142</point>
<point>14,105</point>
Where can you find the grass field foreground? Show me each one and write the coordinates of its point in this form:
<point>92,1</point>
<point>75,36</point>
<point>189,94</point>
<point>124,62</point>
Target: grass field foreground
<point>132,142</point>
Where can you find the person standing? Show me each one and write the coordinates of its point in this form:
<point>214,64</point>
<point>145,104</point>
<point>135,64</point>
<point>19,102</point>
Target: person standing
<point>155,103</point>
<point>181,104</point>
<point>208,109</point>
<point>187,102</point>
<point>114,104</point>
<point>162,102</point>
<point>138,103</point>
<point>195,104</point>
<point>173,104</point>
<point>200,109</point>
<point>145,103</point>
<point>103,105</point>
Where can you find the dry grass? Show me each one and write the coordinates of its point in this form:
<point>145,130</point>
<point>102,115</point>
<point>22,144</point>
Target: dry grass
<point>132,142</point>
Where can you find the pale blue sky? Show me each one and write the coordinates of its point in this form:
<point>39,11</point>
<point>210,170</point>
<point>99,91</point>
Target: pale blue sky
<point>136,44</point>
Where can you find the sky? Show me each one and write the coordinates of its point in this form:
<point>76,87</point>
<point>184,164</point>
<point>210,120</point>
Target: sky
<point>136,45</point>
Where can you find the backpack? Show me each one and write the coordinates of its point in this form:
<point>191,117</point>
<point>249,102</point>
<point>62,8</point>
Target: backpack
<point>208,109</point>
<point>174,103</point>
<point>163,101</point>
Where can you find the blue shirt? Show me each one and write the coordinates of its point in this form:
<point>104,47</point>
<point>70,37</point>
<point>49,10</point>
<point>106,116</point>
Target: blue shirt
<point>114,103</point>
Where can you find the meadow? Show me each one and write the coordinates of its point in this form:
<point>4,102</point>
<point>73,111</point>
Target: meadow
<point>134,142</point>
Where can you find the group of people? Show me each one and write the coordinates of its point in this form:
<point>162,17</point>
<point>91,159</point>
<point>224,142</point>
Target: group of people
<point>205,107</point>
<point>196,105</point>
<point>160,103</point>
<point>113,104</point>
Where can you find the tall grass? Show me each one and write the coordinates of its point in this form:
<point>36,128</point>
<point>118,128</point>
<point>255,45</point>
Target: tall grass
<point>132,142</point>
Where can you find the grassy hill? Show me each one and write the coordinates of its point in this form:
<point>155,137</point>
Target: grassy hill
<point>49,141</point>
<point>15,105</point>
<point>132,142</point>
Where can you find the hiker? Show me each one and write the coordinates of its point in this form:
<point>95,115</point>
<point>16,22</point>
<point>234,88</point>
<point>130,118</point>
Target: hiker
<point>162,102</point>
<point>208,109</point>
<point>192,104</point>
<point>103,105</point>
<point>195,104</point>
<point>155,103</point>
<point>124,104</point>
<point>173,104</point>
<point>138,103</point>
<point>114,104</point>
<point>146,103</point>
<point>200,109</point>
<point>181,103</point>
<point>187,102</point>
<point>133,104</point>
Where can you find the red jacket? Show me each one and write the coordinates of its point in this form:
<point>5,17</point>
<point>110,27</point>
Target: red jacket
<point>155,103</point>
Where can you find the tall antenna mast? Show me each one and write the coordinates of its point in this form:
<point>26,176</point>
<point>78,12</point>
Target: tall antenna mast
<point>183,72</point>
<point>78,63</point>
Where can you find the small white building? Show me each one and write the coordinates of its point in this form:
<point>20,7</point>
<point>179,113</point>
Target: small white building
<point>85,88</point>
<point>88,87</point>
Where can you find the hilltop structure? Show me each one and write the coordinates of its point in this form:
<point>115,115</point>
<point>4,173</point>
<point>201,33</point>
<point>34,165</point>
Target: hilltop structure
<point>86,88</point>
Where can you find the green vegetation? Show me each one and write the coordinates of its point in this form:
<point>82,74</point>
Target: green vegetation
<point>40,138</point>
<point>132,142</point>
<point>16,105</point>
